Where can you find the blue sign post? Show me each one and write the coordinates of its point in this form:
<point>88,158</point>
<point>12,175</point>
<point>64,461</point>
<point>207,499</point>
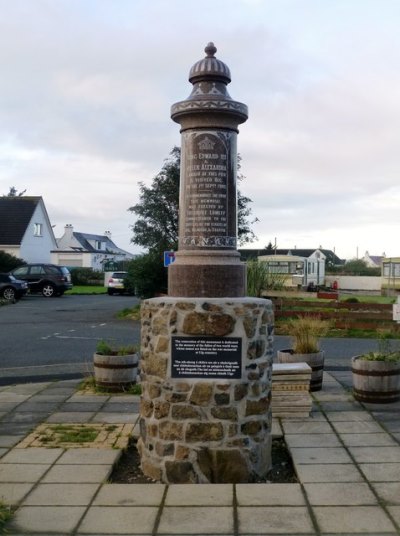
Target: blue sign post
<point>169,257</point>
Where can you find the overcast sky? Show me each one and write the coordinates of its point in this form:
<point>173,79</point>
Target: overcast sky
<point>86,88</point>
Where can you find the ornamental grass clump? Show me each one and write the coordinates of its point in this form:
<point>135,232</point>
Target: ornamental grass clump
<point>306,332</point>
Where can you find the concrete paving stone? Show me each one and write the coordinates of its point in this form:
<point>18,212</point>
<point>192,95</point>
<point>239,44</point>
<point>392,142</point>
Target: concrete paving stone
<point>320,455</point>
<point>130,495</point>
<point>381,472</point>
<point>62,495</point>
<point>388,491</point>
<point>30,388</point>
<point>41,519</point>
<point>395,512</point>
<point>12,493</point>
<point>127,407</point>
<point>10,472</point>
<point>16,428</point>
<point>71,407</point>
<point>84,397</point>
<point>116,418</point>
<point>376,455</point>
<point>199,495</point>
<point>269,495</point>
<point>339,494</point>
<point>13,398</point>
<point>43,397</point>
<point>337,416</point>
<point>119,520</point>
<point>5,407</point>
<point>274,520</point>
<point>328,473</point>
<point>77,473</point>
<point>353,520</point>
<point>73,417</point>
<point>391,426</point>
<point>312,440</point>
<point>340,406</point>
<point>336,395</point>
<point>90,456</point>
<point>26,417</point>
<point>396,436</point>
<point>276,428</point>
<point>315,416</point>
<point>3,451</point>
<point>306,427</point>
<point>368,440</point>
<point>196,520</point>
<point>38,407</point>
<point>118,399</point>
<point>357,427</point>
<point>41,455</point>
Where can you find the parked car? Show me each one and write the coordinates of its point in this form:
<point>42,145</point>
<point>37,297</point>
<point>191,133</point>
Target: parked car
<point>12,289</point>
<point>115,284</point>
<point>49,279</point>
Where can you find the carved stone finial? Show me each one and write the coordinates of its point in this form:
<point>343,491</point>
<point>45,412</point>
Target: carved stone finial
<point>210,50</point>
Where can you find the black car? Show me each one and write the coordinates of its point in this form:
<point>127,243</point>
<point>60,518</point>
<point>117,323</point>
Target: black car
<point>49,279</point>
<point>12,289</point>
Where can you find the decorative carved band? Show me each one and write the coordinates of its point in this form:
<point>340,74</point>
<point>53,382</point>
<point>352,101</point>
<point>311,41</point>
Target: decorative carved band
<point>208,105</point>
<point>210,241</point>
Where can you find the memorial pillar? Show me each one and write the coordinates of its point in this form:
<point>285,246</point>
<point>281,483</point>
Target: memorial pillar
<point>207,262</point>
<point>206,349</point>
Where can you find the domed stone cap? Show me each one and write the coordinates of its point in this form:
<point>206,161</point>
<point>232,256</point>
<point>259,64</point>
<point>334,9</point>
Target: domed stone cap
<point>210,68</point>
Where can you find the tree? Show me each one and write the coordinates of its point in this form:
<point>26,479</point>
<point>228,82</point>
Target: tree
<point>9,262</point>
<point>157,230</point>
<point>359,267</point>
<point>14,192</point>
<point>157,210</point>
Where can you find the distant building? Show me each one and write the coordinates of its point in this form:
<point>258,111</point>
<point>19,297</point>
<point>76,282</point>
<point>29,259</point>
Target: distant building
<point>25,229</point>
<point>373,261</point>
<point>301,272</point>
<point>331,259</point>
<point>88,250</point>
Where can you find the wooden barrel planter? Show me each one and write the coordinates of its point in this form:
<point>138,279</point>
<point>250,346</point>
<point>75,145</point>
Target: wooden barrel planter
<point>115,372</point>
<point>314,360</point>
<point>375,381</point>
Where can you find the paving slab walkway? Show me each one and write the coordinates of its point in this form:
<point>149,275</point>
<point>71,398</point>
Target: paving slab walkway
<point>346,456</point>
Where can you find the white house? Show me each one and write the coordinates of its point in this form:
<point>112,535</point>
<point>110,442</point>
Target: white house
<point>373,261</point>
<point>87,250</point>
<point>25,229</point>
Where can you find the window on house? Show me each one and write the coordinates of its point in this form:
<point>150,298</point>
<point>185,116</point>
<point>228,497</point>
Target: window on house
<point>98,244</point>
<point>37,229</point>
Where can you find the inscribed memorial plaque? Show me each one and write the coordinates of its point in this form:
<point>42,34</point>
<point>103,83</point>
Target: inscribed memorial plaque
<point>206,357</point>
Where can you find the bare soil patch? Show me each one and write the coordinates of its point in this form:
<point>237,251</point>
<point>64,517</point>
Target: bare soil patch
<point>128,471</point>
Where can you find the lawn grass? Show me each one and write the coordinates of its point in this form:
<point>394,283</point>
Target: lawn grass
<point>86,289</point>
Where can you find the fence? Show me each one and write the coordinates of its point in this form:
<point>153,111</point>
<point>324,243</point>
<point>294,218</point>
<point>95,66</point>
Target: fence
<point>368,316</point>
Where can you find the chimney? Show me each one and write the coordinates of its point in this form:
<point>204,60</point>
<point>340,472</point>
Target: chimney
<point>107,234</point>
<point>68,230</point>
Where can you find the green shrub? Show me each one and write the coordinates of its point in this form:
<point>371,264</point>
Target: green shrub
<point>104,348</point>
<point>86,277</point>
<point>147,275</point>
<point>9,262</point>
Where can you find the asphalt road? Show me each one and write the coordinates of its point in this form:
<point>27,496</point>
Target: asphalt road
<point>45,338</point>
<point>41,337</point>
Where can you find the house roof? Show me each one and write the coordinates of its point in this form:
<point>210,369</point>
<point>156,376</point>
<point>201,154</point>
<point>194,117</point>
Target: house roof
<point>15,216</point>
<point>331,257</point>
<point>109,246</point>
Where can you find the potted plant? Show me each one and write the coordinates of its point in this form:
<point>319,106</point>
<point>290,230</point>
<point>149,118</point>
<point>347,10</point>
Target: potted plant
<point>376,375</point>
<point>305,333</point>
<point>115,368</point>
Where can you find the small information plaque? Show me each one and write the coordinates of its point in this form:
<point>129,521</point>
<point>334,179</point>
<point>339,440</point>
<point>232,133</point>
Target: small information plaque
<point>206,357</point>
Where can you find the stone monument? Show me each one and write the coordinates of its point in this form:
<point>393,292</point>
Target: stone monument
<point>206,355</point>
